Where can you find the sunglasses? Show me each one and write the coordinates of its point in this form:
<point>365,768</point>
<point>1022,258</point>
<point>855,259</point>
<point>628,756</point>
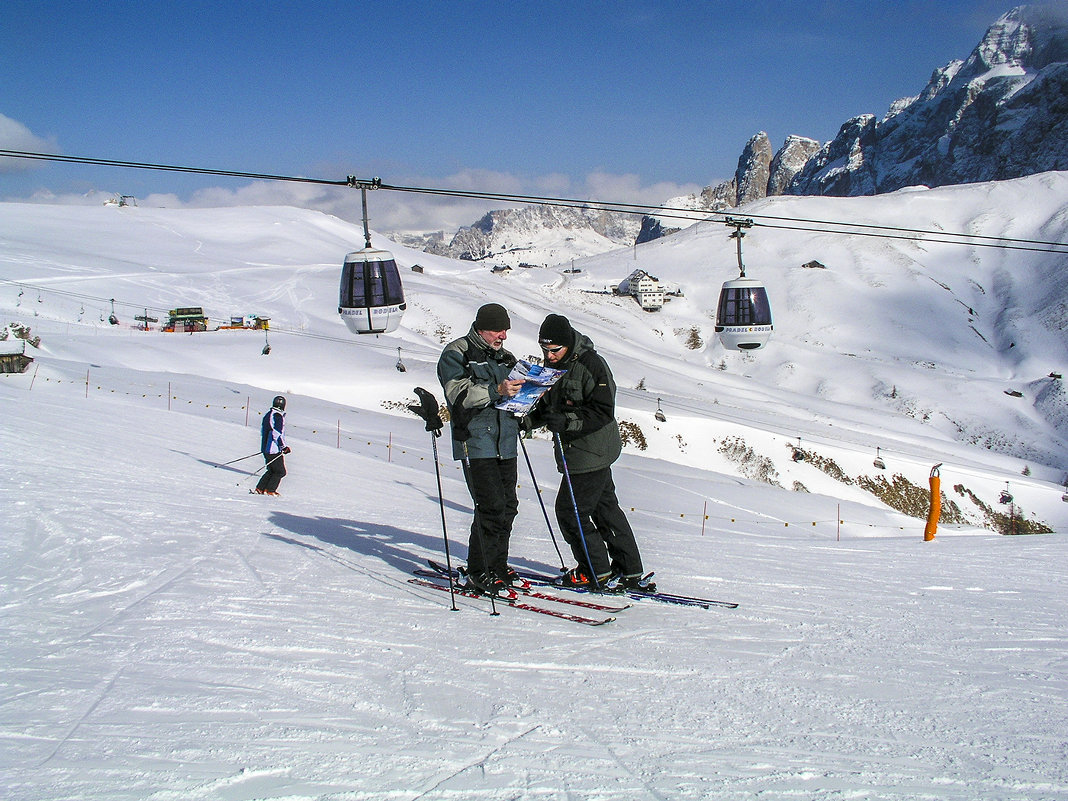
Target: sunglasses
<point>557,349</point>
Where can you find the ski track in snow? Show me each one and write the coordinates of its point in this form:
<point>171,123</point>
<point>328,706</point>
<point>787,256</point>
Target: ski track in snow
<point>266,650</point>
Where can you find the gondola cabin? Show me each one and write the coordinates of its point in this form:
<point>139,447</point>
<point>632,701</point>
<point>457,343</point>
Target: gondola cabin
<point>743,317</point>
<point>371,300</point>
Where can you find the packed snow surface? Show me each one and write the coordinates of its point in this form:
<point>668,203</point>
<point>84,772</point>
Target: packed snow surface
<point>167,635</point>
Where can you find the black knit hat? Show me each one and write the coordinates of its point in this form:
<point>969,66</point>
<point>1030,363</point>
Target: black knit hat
<point>556,330</point>
<point>492,317</point>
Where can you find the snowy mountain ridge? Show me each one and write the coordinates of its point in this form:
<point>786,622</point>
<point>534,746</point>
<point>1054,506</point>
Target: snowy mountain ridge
<point>996,115</point>
<point>534,235</point>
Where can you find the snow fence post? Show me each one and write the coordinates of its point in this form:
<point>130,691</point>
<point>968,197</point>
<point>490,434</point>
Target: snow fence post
<point>935,510</point>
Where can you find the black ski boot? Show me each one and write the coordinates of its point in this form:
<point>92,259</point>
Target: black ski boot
<point>487,584</point>
<point>638,583</point>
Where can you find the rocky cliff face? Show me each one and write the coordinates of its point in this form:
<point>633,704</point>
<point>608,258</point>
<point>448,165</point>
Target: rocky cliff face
<point>759,174</point>
<point>1002,113</point>
<point>754,169</point>
<point>789,161</point>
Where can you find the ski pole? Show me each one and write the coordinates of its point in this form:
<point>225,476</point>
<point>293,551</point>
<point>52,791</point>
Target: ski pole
<point>537,491</point>
<point>265,466</point>
<point>257,453</point>
<point>574,505</point>
<point>427,409</point>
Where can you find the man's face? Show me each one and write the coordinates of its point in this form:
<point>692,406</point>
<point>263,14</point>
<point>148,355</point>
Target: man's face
<point>495,339</point>
<point>554,354</point>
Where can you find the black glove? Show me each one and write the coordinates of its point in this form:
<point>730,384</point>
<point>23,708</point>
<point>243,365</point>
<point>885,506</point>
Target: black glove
<point>285,450</point>
<point>555,422</point>
<point>428,410</point>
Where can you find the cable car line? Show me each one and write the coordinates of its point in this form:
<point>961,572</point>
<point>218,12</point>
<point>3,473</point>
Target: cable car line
<point>899,229</point>
<point>922,239</point>
<point>705,216</point>
<point>693,215</point>
<point>175,168</point>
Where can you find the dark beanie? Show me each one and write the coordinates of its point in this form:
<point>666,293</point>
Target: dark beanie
<point>556,330</point>
<point>492,317</point>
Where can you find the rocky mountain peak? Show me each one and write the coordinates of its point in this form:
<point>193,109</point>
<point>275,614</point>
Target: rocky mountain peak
<point>754,169</point>
<point>538,235</point>
<point>1000,113</point>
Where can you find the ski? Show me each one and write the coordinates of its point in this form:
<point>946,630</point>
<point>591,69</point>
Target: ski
<point>439,570</point>
<point>661,597</point>
<point>514,603</point>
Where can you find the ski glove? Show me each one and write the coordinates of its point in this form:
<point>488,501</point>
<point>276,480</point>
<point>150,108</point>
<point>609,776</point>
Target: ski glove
<point>556,422</point>
<point>285,450</point>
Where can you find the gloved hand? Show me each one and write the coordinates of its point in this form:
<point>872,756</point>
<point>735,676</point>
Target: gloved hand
<point>286,449</point>
<point>556,422</point>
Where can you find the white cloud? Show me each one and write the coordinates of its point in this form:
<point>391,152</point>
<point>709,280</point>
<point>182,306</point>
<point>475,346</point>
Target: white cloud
<point>16,136</point>
<point>409,212</point>
<point>417,212</point>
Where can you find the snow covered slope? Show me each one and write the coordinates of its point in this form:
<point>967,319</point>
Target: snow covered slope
<point>167,635</point>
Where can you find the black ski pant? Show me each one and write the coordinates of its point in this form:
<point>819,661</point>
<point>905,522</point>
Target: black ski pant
<point>492,484</point>
<point>608,535</point>
<point>272,476</point>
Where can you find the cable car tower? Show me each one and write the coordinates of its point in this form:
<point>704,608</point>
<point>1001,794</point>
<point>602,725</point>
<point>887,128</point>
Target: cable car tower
<point>371,300</point>
<point>743,316</point>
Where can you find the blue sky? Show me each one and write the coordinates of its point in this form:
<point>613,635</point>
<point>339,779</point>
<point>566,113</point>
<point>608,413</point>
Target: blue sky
<point>624,101</point>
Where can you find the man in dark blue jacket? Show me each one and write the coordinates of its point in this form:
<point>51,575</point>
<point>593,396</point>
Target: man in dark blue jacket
<point>272,446</point>
<point>473,371</point>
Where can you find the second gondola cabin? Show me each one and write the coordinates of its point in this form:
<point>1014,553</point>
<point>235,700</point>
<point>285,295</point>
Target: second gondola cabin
<point>371,299</point>
<point>743,317</point>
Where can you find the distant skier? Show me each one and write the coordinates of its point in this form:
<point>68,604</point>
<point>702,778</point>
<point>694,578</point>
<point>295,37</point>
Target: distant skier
<point>580,409</point>
<point>273,446</point>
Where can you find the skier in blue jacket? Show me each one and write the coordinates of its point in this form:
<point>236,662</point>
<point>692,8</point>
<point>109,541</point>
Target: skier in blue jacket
<point>273,446</point>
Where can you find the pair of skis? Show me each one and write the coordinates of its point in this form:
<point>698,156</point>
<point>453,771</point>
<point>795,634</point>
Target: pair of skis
<point>540,579</point>
<point>516,602</point>
<point>439,572</point>
<point>551,581</point>
<point>516,596</point>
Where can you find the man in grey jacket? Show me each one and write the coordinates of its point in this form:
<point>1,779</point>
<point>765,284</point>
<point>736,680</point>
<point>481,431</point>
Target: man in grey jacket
<point>473,371</point>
